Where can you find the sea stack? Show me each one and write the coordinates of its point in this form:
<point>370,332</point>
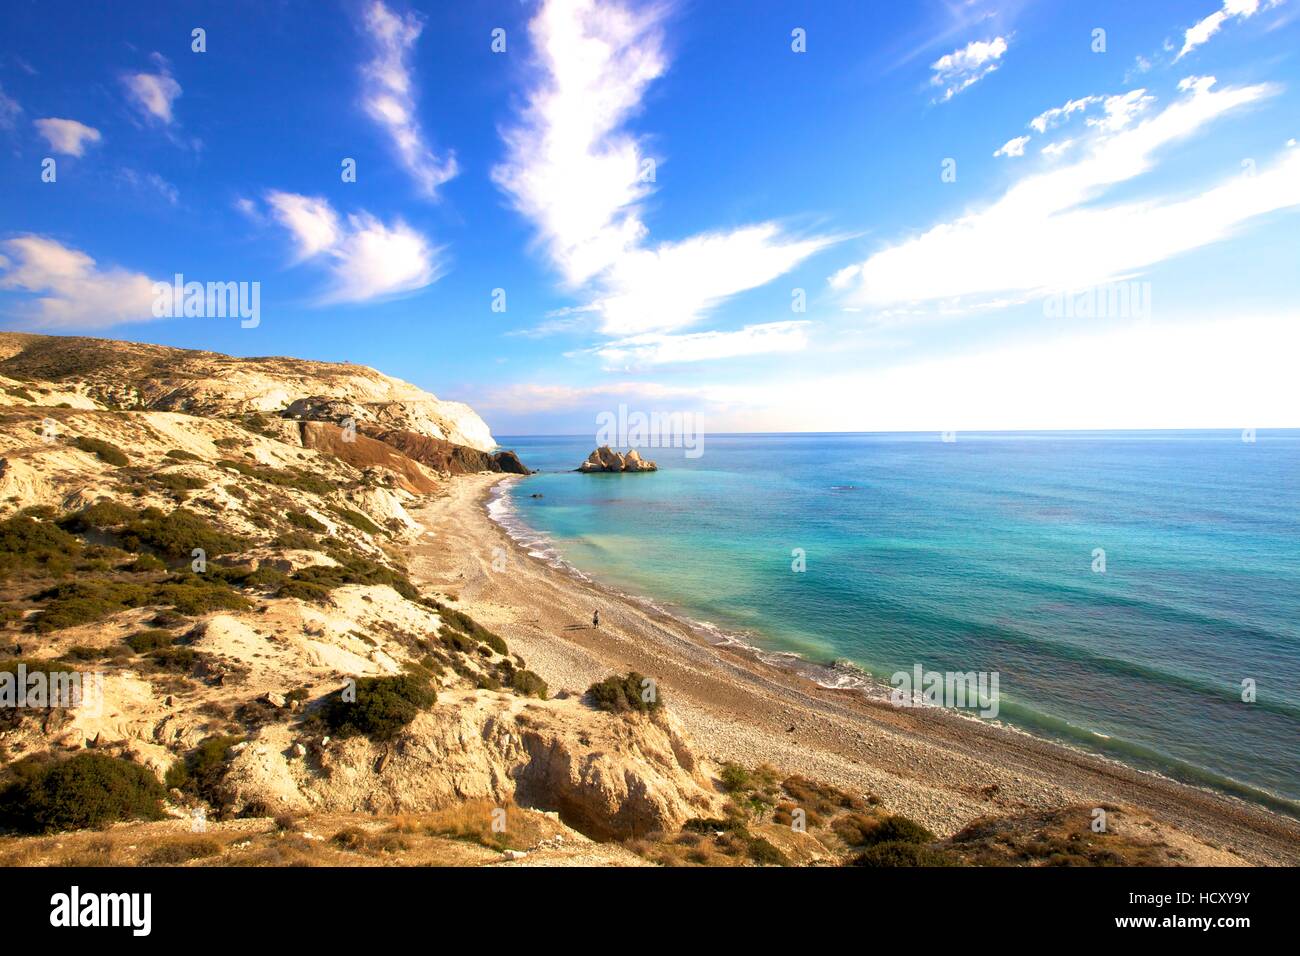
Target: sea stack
<point>605,459</point>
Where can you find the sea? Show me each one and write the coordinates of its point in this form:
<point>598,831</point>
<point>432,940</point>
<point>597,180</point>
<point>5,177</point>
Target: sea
<point>1136,593</point>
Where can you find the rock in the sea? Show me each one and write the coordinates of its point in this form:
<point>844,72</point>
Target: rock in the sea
<point>605,459</point>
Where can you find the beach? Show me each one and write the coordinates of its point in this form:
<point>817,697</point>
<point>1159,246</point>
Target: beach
<point>941,769</point>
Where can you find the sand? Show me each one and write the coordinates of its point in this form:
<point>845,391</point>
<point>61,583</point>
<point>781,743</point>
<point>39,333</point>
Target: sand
<point>938,768</point>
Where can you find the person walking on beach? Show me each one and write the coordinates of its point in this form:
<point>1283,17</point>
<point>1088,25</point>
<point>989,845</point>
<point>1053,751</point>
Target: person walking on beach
<point>595,619</point>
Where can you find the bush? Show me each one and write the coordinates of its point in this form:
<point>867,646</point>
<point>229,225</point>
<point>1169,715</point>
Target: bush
<point>81,602</point>
<point>176,852</point>
<point>529,684</point>
<point>286,478</point>
<point>176,535</point>
<point>146,563</point>
<point>87,790</point>
<point>466,625</point>
<point>300,519</point>
<point>149,640</point>
<point>105,451</point>
<point>900,853</point>
<point>357,520</point>
<point>623,694</point>
<point>99,516</point>
<point>174,481</point>
<point>383,706</point>
<point>179,454</point>
<point>203,767</point>
<point>27,544</point>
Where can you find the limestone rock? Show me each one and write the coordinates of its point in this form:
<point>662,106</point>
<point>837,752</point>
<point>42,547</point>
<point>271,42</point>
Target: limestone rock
<point>605,459</point>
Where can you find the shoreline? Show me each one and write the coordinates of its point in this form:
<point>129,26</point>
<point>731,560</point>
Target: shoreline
<point>942,769</point>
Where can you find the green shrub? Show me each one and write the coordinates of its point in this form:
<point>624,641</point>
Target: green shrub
<point>175,481</point>
<point>105,451</point>
<point>283,478</point>
<point>466,625</point>
<point>357,520</point>
<point>304,591</point>
<point>146,563</point>
<point>765,853</point>
<point>100,516</point>
<point>30,545</point>
<point>529,684</point>
<point>202,768</point>
<point>176,535</point>
<point>896,829</point>
<point>87,790</point>
<point>300,519</point>
<point>623,694</point>
<point>901,853</point>
<point>81,602</point>
<point>142,642</point>
<point>352,569</point>
<point>383,706</point>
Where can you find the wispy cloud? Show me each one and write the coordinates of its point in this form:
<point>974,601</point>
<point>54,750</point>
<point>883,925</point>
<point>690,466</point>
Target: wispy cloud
<point>657,349</point>
<point>1047,233</point>
<point>67,289</point>
<point>966,66</point>
<point>153,94</point>
<point>575,172</point>
<point>1012,147</point>
<point>366,258</point>
<point>9,110</point>
<point>67,136</point>
<point>389,99</point>
<point>1201,32</point>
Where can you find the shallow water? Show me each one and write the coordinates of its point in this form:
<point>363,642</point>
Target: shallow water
<point>979,555</point>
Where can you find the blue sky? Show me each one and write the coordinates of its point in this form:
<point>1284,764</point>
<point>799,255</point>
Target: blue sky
<point>657,187</point>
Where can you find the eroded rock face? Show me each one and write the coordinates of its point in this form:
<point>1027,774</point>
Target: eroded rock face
<point>443,456</point>
<point>605,459</point>
<point>608,776</point>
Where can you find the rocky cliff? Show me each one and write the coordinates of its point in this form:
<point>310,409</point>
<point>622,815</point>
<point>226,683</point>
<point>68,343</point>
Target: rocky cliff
<point>87,372</point>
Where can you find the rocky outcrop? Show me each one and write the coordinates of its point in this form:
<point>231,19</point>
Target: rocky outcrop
<point>366,453</point>
<point>607,776</point>
<point>605,459</point>
<point>135,376</point>
<point>449,458</point>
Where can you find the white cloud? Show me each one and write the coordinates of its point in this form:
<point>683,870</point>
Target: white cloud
<point>151,181</point>
<point>67,136</point>
<point>1012,147</point>
<point>574,171</point>
<point>1058,114</point>
<point>1121,110</point>
<point>656,349</point>
<point>389,100</point>
<point>1048,233</point>
<point>9,110</point>
<point>69,290</point>
<point>153,94</point>
<point>966,66</point>
<point>366,258</point>
<point>1202,30</point>
<point>1221,373</point>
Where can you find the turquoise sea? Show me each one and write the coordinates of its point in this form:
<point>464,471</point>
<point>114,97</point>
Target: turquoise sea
<point>979,554</point>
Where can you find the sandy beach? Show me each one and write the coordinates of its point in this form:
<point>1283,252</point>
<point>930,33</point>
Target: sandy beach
<point>933,766</point>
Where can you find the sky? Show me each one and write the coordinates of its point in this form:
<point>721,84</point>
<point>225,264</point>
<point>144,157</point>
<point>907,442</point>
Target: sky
<point>776,216</point>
